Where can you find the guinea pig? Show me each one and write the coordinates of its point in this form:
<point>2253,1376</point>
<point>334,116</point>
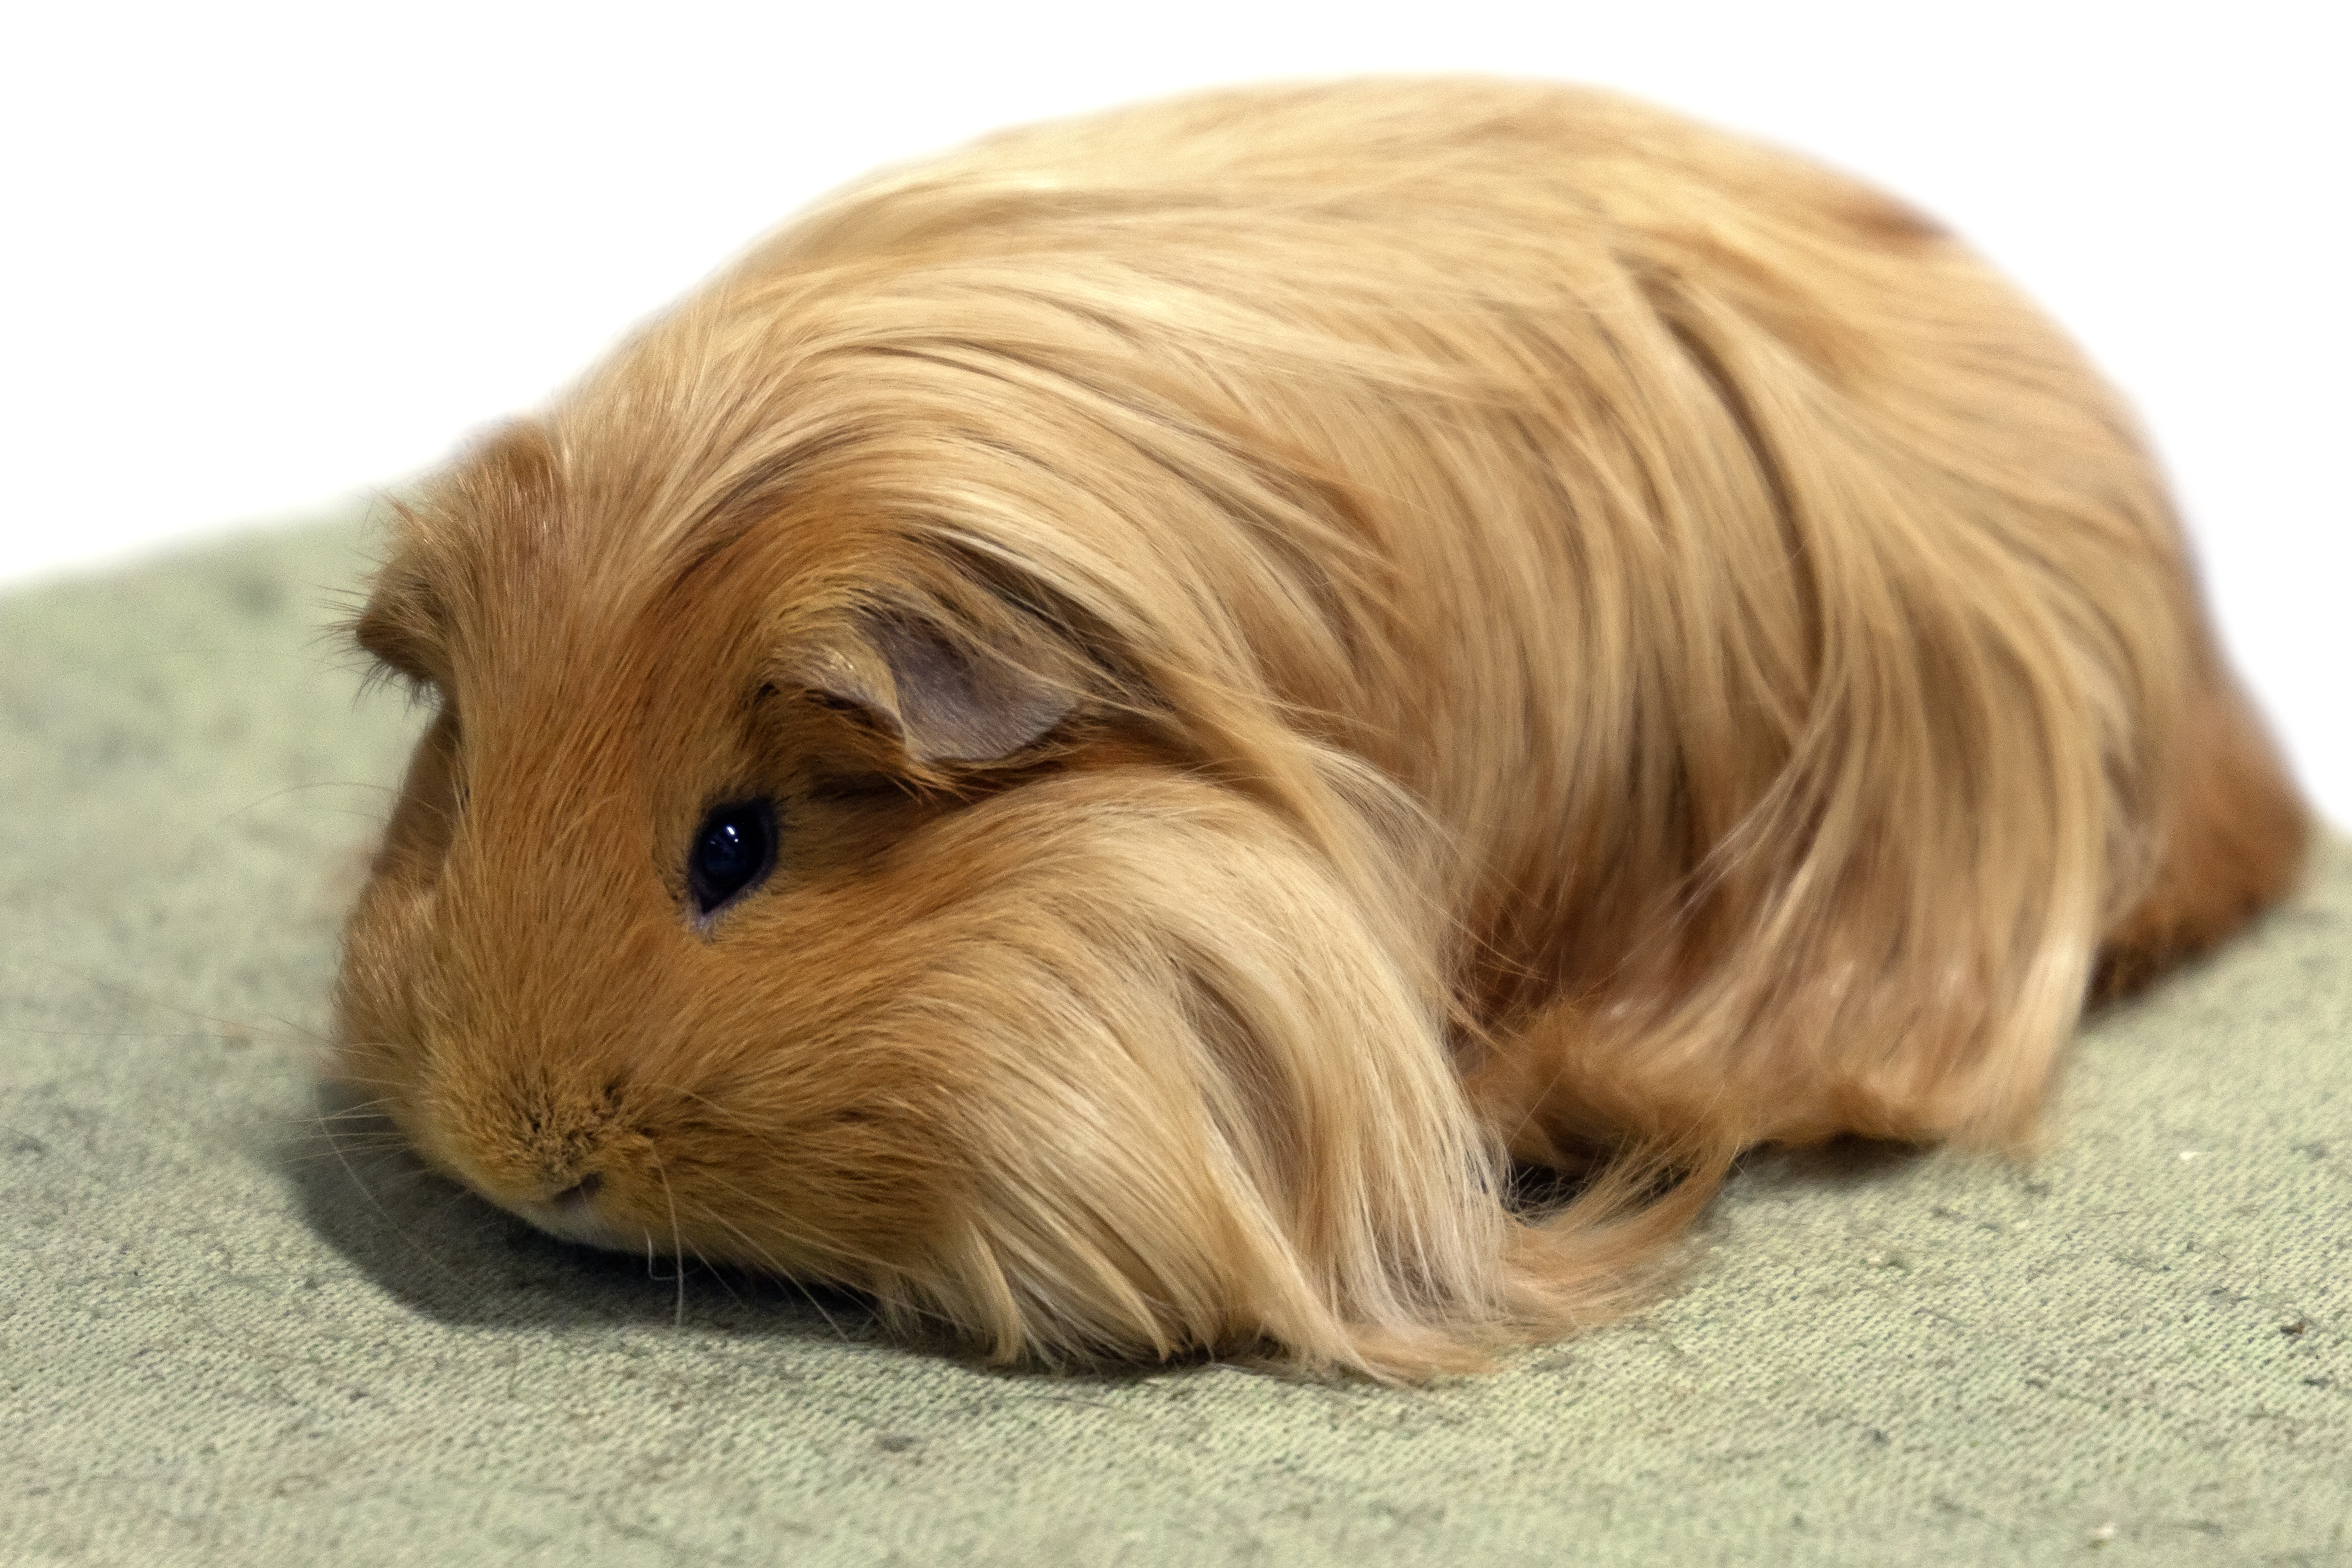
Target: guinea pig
<point>1101,738</point>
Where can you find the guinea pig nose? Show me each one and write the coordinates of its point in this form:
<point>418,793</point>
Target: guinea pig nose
<point>579,1194</point>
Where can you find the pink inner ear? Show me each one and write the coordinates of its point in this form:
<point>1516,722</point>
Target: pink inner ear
<point>944,704</point>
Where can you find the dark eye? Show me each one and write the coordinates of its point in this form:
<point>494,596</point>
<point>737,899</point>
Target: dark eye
<point>733,848</point>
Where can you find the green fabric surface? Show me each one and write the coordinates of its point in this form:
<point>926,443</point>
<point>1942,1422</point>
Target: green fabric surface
<point>233,1331</point>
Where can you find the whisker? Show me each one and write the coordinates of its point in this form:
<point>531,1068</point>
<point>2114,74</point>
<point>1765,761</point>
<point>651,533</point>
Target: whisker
<point>784,1274</point>
<point>308,1144</point>
<point>123,991</point>
<point>377,1204</point>
<point>718,1277</point>
<point>306,789</point>
<point>344,1107</point>
<point>678,1249</point>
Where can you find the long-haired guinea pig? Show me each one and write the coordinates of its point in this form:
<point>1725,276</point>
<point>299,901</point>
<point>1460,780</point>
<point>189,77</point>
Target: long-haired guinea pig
<point>1104,737</point>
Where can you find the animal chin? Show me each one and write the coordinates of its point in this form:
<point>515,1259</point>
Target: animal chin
<point>576,1222</point>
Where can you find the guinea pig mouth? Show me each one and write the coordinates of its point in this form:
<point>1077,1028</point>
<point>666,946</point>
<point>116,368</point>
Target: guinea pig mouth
<point>572,1216</point>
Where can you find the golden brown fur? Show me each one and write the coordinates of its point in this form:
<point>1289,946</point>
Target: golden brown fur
<point>1305,643</point>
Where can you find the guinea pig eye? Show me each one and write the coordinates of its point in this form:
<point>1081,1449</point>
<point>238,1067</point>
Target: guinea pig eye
<point>734,850</point>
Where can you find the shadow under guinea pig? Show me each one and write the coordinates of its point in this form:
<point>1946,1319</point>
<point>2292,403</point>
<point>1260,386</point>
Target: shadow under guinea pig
<point>1839,1164</point>
<point>440,1249</point>
<point>437,1247</point>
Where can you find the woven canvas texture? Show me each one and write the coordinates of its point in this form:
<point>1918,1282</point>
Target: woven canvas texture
<point>234,1331</point>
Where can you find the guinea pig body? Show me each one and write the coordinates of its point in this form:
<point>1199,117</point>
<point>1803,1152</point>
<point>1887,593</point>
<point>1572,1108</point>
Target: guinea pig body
<point>1095,737</point>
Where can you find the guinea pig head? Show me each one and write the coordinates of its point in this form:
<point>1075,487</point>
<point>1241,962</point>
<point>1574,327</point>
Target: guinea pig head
<point>789,898</point>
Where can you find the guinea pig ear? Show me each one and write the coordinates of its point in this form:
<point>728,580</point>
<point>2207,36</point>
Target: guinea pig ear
<point>942,699</point>
<point>400,623</point>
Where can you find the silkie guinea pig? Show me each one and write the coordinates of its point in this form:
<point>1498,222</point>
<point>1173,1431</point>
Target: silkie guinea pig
<point>1099,735</point>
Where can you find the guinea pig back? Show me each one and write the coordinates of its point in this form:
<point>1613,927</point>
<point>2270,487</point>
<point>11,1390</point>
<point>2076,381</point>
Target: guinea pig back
<point>1098,735</point>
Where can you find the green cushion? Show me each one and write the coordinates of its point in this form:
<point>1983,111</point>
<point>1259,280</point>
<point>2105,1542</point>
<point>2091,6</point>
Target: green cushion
<point>232,1332</point>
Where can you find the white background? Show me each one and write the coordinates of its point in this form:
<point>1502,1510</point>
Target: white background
<point>256,256</point>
